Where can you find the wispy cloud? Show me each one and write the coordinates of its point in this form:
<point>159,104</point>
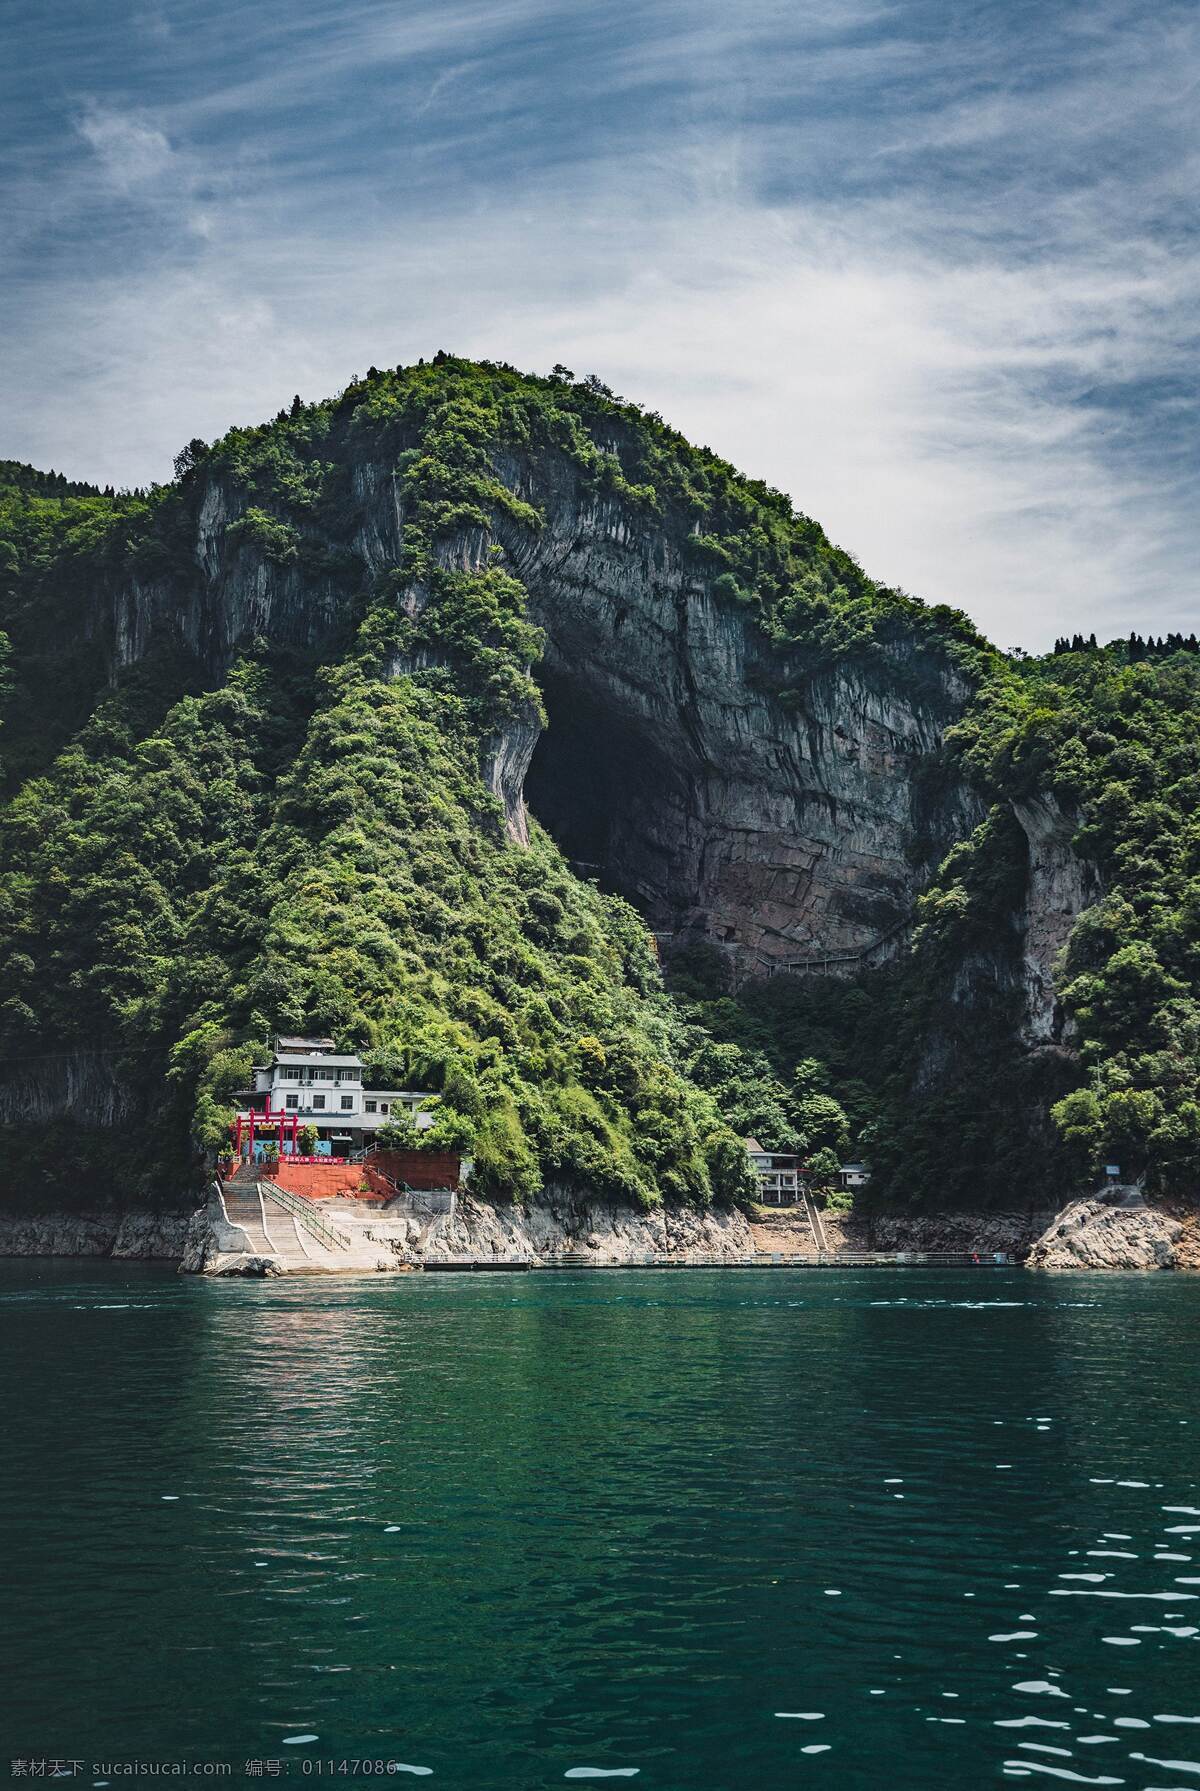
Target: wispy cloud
<point>131,152</point>
<point>939,283</point>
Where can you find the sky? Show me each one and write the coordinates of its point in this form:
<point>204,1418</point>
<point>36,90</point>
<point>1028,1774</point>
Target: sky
<point>931,268</point>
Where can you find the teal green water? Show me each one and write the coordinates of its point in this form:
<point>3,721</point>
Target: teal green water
<point>744,1529</point>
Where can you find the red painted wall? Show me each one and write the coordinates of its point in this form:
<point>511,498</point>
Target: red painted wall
<point>420,1168</point>
<point>317,1181</point>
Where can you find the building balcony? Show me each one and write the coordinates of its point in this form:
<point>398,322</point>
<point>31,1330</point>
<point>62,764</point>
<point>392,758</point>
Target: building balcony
<point>779,1188</point>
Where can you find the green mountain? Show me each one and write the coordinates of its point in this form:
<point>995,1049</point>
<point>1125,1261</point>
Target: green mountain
<point>482,722</point>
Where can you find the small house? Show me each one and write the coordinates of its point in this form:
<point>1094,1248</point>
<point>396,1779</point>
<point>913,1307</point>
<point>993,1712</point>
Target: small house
<point>778,1174</point>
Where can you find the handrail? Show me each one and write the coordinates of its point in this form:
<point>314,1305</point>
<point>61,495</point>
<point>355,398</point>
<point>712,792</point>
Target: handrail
<point>827,960</point>
<point>700,1259</point>
<point>308,1216</point>
<point>217,1192</point>
<point>644,1259</point>
<point>402,1189</point>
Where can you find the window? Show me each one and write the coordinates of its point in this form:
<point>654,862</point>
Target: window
<point>291,1102</point>
<point>347,1075</point>
<point>318,1101</point>
<point>322,1076</point>
<point>370,1106</point>
<point>291,1074</point>
<point>383,1106</point>
<point>347,1103</point>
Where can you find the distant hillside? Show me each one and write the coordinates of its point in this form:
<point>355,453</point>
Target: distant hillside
<point>15,476</point>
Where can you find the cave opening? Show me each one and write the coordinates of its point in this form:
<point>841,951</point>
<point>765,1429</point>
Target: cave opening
<point>610,796</point>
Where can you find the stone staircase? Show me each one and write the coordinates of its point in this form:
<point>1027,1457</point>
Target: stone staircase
<point>815,1222</point>
<point>245,1210</point>
<point>271,1231</point>
<point>286,1234</point>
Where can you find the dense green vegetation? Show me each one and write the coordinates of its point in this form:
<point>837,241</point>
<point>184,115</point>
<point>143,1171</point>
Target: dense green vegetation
<point>1114,736</point>
<point>192,858</point>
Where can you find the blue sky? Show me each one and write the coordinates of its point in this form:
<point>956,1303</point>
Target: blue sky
<point>931,268</point>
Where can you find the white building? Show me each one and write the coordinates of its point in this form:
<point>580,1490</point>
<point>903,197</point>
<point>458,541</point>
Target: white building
<point>778,1174</point>
<point>308,1083</point>
<point>854,1175</point>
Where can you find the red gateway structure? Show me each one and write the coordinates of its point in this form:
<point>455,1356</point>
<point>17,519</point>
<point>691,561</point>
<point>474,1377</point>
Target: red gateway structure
<point>264,1120</point>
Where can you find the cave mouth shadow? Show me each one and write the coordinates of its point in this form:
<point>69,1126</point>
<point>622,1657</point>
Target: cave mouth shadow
<point>608,794</point>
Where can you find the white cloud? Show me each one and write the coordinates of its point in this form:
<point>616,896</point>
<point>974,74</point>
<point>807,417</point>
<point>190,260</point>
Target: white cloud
<point>132,152</point>
<point>932,330</point>
<point>900,401</point>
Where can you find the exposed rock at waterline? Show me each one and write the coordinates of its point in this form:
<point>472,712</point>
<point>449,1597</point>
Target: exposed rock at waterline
<point>1113,1230</point>
<point>133,1235</point>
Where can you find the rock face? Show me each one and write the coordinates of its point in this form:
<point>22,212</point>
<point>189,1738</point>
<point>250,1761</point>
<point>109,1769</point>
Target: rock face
<point>675,767</point>
<point>560,1221</point>
<point>557,1222</point>
<point>1112,1230</point>
<point>1061,885</point>
<point>982,1234</point>
<point>85,1086</point>
<point>1116,1230</point>
<point>133,1236</point>
<point>786,1231</point>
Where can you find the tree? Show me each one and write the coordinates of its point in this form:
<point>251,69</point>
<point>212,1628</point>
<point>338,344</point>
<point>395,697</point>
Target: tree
<point>189,458</point>
<point>398,1133</point>
<point>822,1169</point>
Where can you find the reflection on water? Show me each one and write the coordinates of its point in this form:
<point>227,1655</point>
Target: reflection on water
<point>875,1527</point>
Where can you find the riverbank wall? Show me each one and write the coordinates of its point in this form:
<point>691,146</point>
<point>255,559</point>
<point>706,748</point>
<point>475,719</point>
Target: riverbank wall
<point>1117,1229</point>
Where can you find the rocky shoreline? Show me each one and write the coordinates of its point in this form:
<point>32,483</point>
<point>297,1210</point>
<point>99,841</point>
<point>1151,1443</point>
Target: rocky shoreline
<point>1116,1229</point>
<point>133,1236</point>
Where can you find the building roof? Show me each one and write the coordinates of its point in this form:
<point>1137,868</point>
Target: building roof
<point>401,1094</point>
<point>329,1059</point>
<point>779,1158</point>
<point>283,1043</point>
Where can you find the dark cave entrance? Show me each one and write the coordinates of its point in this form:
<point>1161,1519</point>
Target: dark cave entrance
<point>608,793</point>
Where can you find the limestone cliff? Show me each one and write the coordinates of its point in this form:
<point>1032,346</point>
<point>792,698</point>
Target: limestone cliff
<point>1061,885</point>
<point>674,765</point>
<point>786,813</point>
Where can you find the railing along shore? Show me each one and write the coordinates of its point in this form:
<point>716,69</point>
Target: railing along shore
<point>824,1259</point>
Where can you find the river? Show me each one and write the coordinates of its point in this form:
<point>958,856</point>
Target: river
<point>727,1529</point>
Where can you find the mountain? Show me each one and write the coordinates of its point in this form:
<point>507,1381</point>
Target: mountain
<point>480,721</point>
